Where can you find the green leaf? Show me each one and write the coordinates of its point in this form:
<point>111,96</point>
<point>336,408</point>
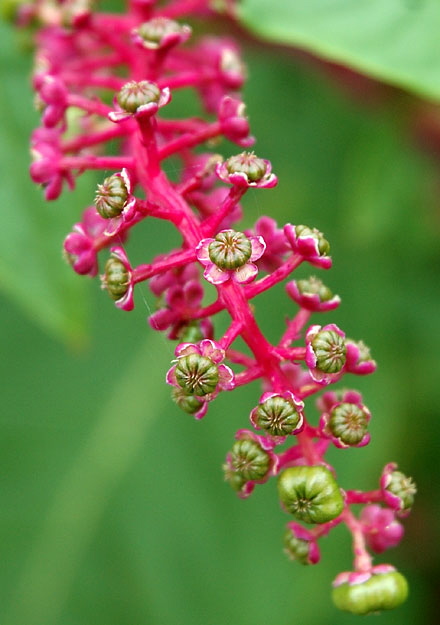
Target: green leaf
<point>395,41</point>
<point>32,271</point>
<point>117,437</point>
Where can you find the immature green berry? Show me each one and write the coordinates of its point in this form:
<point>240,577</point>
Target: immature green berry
<point>230,249</point>
<point>323,244</point>
<point>111,196</point>
<point>348,423</point>
<point>402,487</point>
<point>384,591</point>
<point>188,403</point>
<point>277,416</point>
<point>154,32</point>
<point>314,286</point>
<point>310,493</point>
<point>247,163</point>
<point>116,278</point>
<point>249,460</point>
<point>330,351</point>
<point>135,94</point>
<point>296,548</point>
<point>196,374</point>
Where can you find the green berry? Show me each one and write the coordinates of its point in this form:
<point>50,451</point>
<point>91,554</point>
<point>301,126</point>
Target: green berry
<point>135,94</point>
<point>311,494</point>
<point>380,592</point>
<point>196,374</point>
<point>330,351</point>
<point>116,278</point>
<point>277,416</point>
<point>230,249</point>
<point>111,196</point>
<point>348,422</point>
<point>247,163</point>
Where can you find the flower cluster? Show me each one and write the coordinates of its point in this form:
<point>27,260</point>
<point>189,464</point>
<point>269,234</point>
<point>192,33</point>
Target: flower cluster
<point>118,73</point>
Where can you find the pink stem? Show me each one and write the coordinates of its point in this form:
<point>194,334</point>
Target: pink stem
<point>358,496</point>
<point>362,559</point>
<point>294,327</point>
<point>87,140</point>
<point>278,275</point>
<point>175,259</point>
<point>190,140</point>
<point>115,163</point>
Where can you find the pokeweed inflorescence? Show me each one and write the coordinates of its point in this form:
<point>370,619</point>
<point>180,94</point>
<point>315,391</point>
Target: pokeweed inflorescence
<point>119,71</point>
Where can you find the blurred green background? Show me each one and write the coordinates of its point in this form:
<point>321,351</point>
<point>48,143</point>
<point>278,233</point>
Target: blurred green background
<point>114,510</point>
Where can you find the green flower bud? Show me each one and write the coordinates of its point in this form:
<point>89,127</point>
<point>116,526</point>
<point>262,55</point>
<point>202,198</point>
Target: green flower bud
<point>314,286</point>
<point>330,351</point>
<point>249,460</point>
<point>247,163</point>
<point>230,249</point>
<point>380,592</point>
<point>402,487</point>
<point>135,94</point>
<point>348,422</point>
<point>323,244</point>
<point>111,196</point>
<point>311,494</point>
<point>116,278</point>
<point>277,416</point>
<point>296,548</point>
<point>196,374</point>
<point>188,403</point>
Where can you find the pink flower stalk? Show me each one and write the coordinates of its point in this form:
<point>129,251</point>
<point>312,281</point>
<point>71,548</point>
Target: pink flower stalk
<point>81,57</point>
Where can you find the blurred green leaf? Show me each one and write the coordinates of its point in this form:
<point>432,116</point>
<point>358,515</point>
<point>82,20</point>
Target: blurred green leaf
<point>32,271</point>
<point>116,438</point>
<point>394,40</point>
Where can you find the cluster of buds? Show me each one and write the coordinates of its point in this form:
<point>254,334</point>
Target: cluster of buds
<point>117,72</point>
